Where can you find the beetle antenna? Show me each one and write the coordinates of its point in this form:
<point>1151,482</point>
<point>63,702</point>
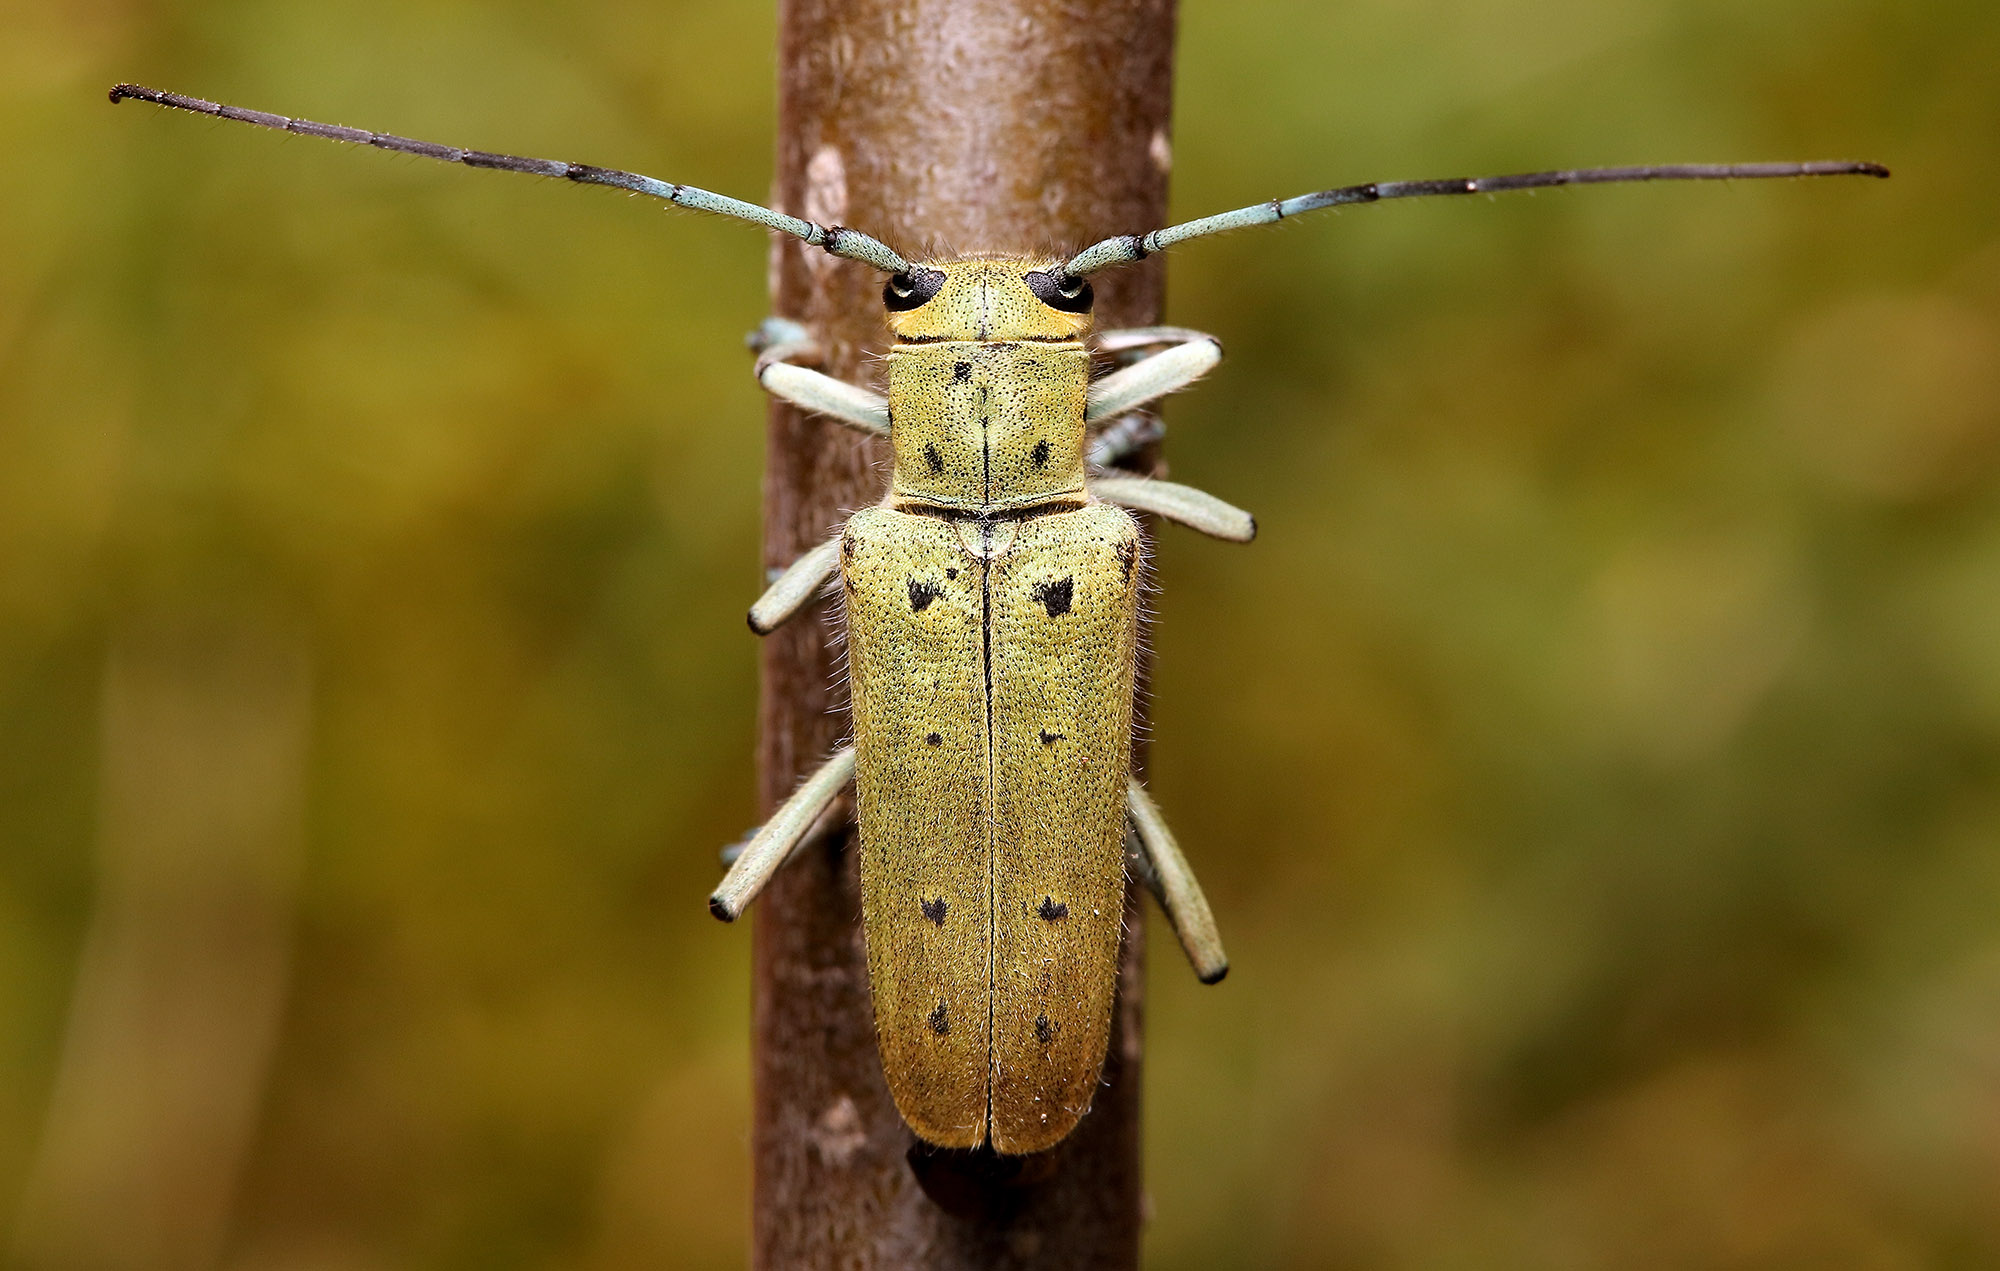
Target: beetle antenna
<point>834,239</point>
<point>1130,247</point>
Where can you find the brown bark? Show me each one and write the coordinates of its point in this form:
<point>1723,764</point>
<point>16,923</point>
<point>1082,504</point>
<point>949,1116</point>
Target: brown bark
<point>938,126</point>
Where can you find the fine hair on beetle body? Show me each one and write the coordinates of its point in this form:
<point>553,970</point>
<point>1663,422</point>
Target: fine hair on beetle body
<point>990,611</point>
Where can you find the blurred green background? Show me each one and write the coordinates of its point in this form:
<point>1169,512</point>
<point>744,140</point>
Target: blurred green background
<point>1595,766</point>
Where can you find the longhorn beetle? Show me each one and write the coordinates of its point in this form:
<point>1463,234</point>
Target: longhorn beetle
<point>992,607</point>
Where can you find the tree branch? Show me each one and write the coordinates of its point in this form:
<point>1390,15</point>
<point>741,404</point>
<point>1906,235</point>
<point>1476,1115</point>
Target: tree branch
<point>938,126</point>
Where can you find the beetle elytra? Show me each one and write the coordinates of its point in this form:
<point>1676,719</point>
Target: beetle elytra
<point>991,604</point>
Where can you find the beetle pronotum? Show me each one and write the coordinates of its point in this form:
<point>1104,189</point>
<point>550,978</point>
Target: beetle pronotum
<point>991,601</point>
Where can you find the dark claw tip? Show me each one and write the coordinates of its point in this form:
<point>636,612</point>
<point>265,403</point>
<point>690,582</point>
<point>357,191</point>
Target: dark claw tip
<point>720,909</point>
<point>1216,976</point>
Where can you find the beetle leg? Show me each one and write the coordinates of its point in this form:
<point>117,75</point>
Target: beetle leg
<point>772,845</point>
<point>838,400</point>
<point>783,340</point>
<point>794,588</point>
<point>1153,377</point>
<point>1179,503</point>
<point>1127,343</point>
<point>1172,884</point>
<point>1124,439</point>
<point>782,344</point>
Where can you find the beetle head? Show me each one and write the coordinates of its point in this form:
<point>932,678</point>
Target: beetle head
<point>988,298</point>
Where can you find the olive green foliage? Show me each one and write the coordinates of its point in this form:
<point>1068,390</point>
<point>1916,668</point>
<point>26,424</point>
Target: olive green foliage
<point>1592,765</point>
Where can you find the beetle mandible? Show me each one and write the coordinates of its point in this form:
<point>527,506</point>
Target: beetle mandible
<point>992,607</point>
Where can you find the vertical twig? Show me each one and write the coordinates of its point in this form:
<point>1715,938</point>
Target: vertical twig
<point>939,126</point>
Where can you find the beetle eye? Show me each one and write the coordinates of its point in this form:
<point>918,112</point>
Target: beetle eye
<point>1060,291</point>
<point>908,290</point>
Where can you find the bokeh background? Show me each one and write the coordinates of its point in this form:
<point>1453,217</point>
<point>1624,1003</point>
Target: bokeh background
<point>1595,765</point>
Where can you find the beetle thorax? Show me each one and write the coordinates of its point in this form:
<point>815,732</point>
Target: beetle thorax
<point>987,388</point>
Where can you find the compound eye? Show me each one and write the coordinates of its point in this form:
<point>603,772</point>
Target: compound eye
<point>908,290</point>
<point>1060,291</point>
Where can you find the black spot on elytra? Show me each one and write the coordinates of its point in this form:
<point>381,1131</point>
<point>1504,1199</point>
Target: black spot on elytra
<point>951,573</point>
<point>935,739</point>
<point>1039,456</point>
<point>961,372</point>
<point>940,1021</point>
<point>934,459</point>
<point>922,592</point>
<point>1045,1032</point>
<point>934,910</point>
<point>1052,910</point>
<point>1055,596</point>
<point>1127,554</point>
<point>1049,738</point>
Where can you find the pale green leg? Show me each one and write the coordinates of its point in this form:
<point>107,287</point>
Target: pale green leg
<point>1173,885</point>
<point>1124,439</point>
<point>783,340</point>
<point>795,588</point>
<point>1125,343</point>
<point>772,845</point>
<point>1181,504</point>
<point>1190,355</point>
<point>781,344</point>
<point>1153,377</point>
<point>824,395</point>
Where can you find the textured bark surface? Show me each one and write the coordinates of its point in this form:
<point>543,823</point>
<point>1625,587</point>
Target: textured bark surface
<point>940,127</point>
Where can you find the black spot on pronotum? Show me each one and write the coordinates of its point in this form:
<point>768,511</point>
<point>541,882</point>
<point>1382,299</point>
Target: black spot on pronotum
<point>1052,910</point>
<point>906,291</point>
<point>922,592</point>
<point>1045,1032</point>
<point>934,910</point>
<point>940,1021</point>
<point>1039,456</point>
<point>1060,291</point>
<point>935,739</point>
<point>933,459</point>
<point>961,372</point>
<point>1055,596</point>
<point>1049,738</point>
<point>951,573</point>
<point>1128,553</point>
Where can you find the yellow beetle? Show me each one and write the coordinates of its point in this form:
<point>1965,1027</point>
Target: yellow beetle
<point>992,605</point>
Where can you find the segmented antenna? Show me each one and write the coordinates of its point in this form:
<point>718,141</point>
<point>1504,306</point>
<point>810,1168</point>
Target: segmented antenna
<point>834,239</point>
<point>1130,247</point>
